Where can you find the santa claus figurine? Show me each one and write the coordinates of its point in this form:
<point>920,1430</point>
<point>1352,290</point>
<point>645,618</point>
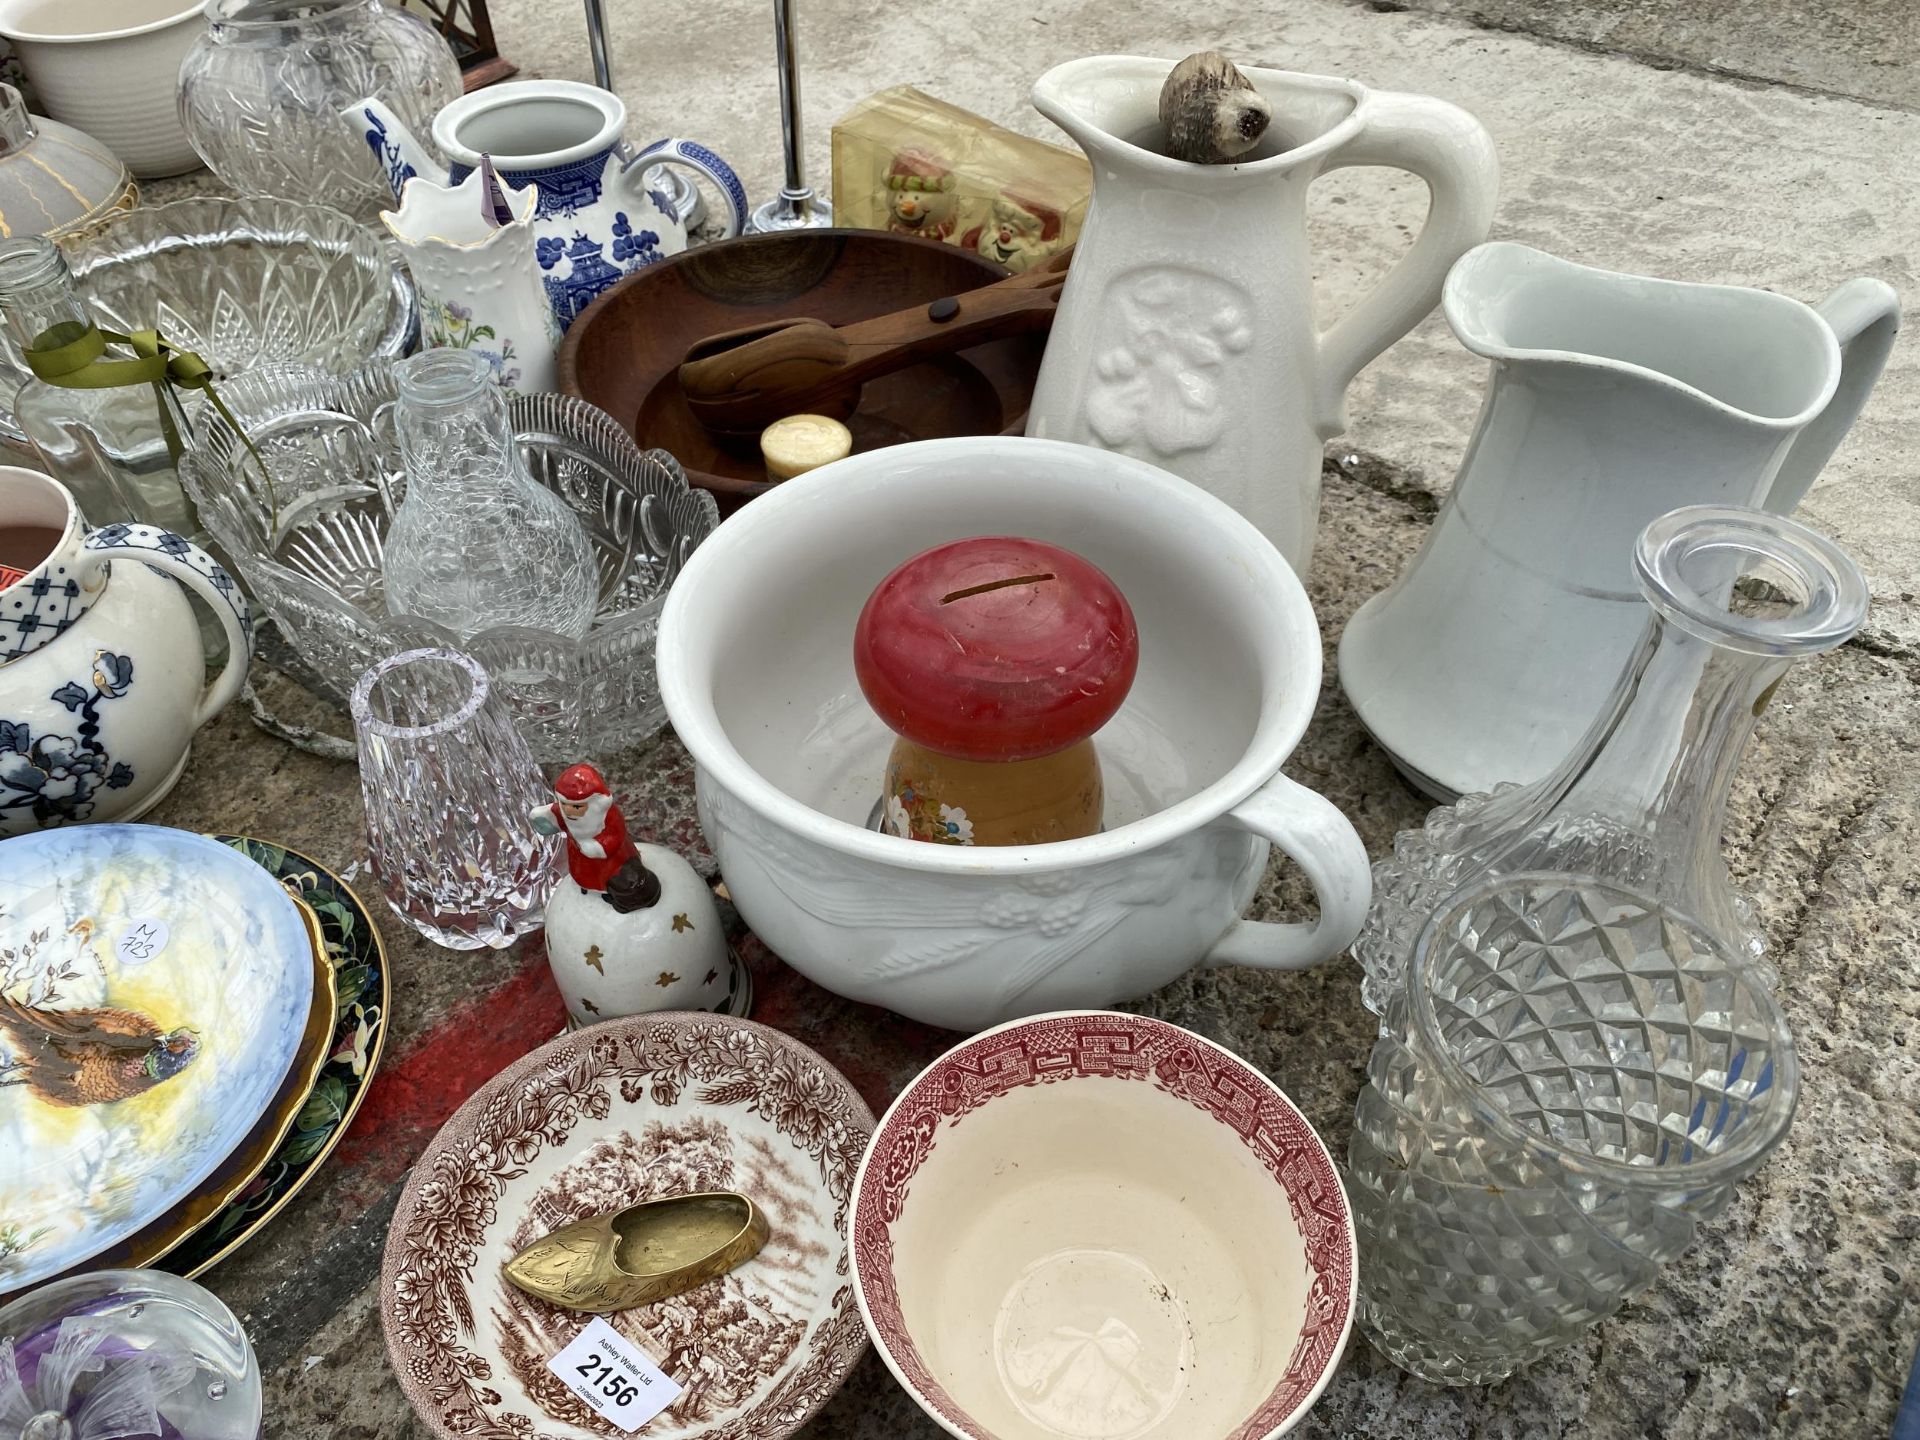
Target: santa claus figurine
<point>1022,232</point>
<point>920,198</point>
<point>632,928</point>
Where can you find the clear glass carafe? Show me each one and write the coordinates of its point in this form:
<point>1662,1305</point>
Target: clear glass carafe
<point>1737,596</point>
<point>1571,1081</point>
<point>108,446</point>
<point>478,542</point>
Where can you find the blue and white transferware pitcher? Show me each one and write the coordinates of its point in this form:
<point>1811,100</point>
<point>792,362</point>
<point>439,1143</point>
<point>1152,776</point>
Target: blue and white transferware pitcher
<point>596,219</point>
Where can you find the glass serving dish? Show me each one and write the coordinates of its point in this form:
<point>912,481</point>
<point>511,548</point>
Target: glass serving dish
<point>242,283</point>
<point>245,282</point>
<point>309,545</point>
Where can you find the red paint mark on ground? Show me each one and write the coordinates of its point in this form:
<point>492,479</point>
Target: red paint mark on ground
<point>416,1091</point>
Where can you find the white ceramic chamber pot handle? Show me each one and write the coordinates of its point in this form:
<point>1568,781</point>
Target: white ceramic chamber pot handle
<point>1864,316</point>
<point>1452,152</point>
<point>696,157</point>
<point>186,562</point>
<point>1312,833</point>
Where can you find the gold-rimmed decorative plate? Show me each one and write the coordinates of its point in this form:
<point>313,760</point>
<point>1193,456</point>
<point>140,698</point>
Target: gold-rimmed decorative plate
<point>153,990</point>
<point>252,1155</point>
<point>359,960</point>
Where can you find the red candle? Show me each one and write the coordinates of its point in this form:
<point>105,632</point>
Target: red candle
<point>996,651</point>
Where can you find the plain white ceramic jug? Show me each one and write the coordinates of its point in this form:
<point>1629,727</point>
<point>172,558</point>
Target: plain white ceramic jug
<point>1186,335</point>
<point>1613,399</point>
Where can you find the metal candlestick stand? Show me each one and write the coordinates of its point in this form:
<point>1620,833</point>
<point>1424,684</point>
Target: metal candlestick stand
<point>597,41</point>
<point>688,202</point>
<point>796,207</point>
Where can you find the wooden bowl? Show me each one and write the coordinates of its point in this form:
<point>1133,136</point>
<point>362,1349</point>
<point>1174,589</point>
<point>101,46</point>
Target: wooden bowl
<point>624,351</point>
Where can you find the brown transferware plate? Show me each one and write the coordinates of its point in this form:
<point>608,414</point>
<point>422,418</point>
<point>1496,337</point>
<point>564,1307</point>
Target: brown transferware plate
<point>631,1110</point>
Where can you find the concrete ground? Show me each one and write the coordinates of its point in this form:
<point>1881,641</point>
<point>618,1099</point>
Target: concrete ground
<point>1740,140</point>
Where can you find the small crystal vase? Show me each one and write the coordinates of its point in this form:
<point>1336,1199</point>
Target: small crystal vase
<point>448,783</point>
<point>1737,596</point>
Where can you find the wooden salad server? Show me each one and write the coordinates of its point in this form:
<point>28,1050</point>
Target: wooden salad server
<point>741,381</point>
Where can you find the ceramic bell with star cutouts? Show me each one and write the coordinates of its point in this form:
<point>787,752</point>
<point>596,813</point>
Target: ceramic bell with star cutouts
<point>632,927</point>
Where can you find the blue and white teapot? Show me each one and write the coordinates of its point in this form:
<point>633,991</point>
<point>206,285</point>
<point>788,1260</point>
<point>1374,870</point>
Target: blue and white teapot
<point>597,219</point>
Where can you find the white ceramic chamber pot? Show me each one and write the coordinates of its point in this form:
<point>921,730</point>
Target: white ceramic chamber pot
<point>1092,1226</point>
<point>1612,400</point>
<point>756,670</point>
<point>111,68</point>
<point>101,663</point>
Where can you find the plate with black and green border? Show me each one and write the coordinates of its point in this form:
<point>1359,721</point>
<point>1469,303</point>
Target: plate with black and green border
<point>360,982</point>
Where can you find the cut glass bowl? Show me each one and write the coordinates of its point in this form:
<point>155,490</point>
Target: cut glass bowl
<point>309,547</point>
<point>241,283</point>
<point>244,282</point>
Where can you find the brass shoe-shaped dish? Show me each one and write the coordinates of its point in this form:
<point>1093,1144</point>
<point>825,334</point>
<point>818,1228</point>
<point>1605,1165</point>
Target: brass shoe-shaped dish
<point>643,1253</point>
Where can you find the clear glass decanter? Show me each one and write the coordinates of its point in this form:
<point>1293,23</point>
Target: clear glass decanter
<point>1737,596</point>
<point>478,542</point>
<point>108,446</point>
<point>1569,1085</point>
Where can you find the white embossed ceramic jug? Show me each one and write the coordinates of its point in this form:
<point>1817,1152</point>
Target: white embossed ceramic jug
<point>1613,400</point>
<point>1186,334</point>
<point>478,278</point>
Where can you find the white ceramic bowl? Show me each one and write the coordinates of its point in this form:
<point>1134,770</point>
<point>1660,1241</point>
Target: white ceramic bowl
<point>111,67</point>
<point>756,670</point>
<point>1093,1226</point>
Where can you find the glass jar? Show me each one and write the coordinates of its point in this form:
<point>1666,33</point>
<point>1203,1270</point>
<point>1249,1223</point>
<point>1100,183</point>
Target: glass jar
<point>262,90</point>
<point>477,541</point>
<point>1571,1079</point>
<point>1737,596</point>
<point>110,446</point>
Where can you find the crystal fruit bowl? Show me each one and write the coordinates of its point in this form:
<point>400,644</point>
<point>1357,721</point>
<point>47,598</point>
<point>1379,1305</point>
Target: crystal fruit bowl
<point>308,544</point>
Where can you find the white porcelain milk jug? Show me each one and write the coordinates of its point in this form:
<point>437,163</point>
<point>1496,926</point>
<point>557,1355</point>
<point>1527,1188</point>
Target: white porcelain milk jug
<point>1613,399</point>
<point>1186,334</point>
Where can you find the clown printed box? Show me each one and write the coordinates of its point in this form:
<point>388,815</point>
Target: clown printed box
<point>906,162</point>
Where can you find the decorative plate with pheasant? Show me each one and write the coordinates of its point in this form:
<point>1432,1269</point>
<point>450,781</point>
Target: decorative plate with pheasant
<point>153,988</point>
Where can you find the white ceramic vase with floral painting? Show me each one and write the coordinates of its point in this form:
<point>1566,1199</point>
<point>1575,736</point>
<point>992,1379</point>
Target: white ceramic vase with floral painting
<point>479,280</point>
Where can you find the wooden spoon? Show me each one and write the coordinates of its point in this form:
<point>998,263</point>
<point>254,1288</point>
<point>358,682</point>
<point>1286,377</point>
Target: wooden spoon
<point>739,382</point>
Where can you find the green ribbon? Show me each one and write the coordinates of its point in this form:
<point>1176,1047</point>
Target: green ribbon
<point>74,356</point>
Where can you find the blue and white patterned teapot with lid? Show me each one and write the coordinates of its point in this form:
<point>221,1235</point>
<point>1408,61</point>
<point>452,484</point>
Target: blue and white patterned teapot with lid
<point>102,666</point>
<point>597,218</point>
